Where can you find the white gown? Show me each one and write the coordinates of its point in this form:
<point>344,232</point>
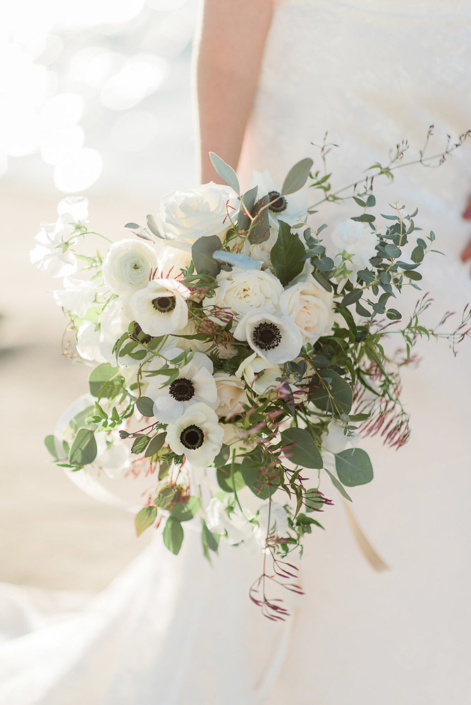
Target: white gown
<point>176,631</point>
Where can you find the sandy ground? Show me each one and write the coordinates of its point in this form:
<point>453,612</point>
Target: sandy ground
<point>51,534</point>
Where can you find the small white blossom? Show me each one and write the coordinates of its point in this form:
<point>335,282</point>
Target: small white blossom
<point>356,242</point>
<point>128,265</point>
<point>160,308</point>
<point>292,209</point>
<point>195,383</point>
<point>197,435</point>
<point>77,295</point>
<point>276,339</point>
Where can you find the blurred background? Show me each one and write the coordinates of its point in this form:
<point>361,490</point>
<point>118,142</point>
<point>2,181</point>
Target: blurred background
<point>96,101</point>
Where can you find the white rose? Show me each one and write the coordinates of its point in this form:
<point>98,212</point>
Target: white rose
<point>77,296</point>
<point>260,375</point>
<point>275,338</point>
<point>172,261</point>
<point>189,215</point>
<point>244,290</point>
<point>127,266</point>
<point>261,252</point>
<point>160,308</point>
<point>231,394</point>
<point>197,435</point>
<point>356,242</point>
<point>311,307</point>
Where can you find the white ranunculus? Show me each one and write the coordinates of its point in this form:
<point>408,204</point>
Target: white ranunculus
<point>244,290</point>
<point>275,338</point>
<point>278,519</point>
<point>195,383</point>
<point>231,394</point>
<point>311,307</point>
<point>128,265</point>
<point>260,375</point>
<point>88,343</point>
<point>197,435</point>
<point>77,296</point>
<point>189,215</point>
<point>219,521</point>
<point>291,209</point>
<point>160,308</point>
<point>356,242</point>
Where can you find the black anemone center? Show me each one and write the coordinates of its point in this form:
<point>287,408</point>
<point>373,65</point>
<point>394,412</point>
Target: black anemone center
<point>182,389</point>
<point>267,336</point>
<point>278,203</point>
<point>164,304</point>
<point>138,333</point>
<point>192,437</point>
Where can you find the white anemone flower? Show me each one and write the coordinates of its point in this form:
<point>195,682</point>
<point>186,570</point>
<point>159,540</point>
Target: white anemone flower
<point>128,265</point>
<point>195,383</point>
<point>260,375</point>
<point>356,243</point>
<point>77,295</point>
<point>276,339</point>
<point>292,209</point>
<point>160,308</point>
<point>197,435</point>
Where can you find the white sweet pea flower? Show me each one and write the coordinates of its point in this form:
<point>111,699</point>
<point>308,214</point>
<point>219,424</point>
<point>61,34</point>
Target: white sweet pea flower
<point>243,290</point>
<point>292,209</point>
<point>231,394</point>
<point>128,265</point>
<point>278,519</point>
<point>276,339</point>
<point>115,320</point>
<point>195,383</point>
<point>356,242</point>
<point>311,308</point>
<point>88,343</point>
<point>260,375</point>
<point>77,296</point>
<point>74,209</point>
<point>219,521</point>
<point>197,435</point>
<point>189,215</point>
<point>336,440</point>
<point>160,308</point>
<point>113,457</point>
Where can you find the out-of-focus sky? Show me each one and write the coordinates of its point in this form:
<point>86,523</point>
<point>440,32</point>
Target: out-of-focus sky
<point>96,93</point>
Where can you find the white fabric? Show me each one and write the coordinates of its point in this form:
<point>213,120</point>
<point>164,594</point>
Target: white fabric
<point>173,631</point>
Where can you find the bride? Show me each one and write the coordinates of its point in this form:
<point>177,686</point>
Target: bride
<point>273,77</point>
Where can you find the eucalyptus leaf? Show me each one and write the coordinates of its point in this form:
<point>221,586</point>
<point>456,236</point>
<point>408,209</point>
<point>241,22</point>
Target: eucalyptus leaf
<point>247,202</point>
<point>140,444</point>
<point>202,255</point>
<point>237,260</point>
<point>106,381</point>
<point>297,177</point>
<point>225,171</point>
<point>287,255</point>
<point>261,229</point>
<point>333,393</point>
<point>187,510</point>
<point>173,535</point>
<point>304,451</point>
<point>145,518</point>
<point>145,406</point>
<point>155,445</point>
<point>250,470</point>
<point>338,486</point>
<point>353,467</point>
<point>352,297</point>
<point>50,443</point>
<point>230,478</point>
<point>84,448</point>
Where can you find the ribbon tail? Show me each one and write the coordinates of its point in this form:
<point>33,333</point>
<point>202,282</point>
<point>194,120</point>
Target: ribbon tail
<point>373,558</point>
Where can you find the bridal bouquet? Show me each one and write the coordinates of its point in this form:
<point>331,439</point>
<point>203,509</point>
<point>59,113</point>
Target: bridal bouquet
<point>237,356</point>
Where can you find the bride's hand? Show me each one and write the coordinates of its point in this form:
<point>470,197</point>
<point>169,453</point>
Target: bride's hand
<point>466,254</point>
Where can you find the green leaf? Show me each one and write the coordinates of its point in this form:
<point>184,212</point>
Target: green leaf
<point>187,510</point>
<point>338,486</point>
<point>352,297</point>
<point>417,254</point>
<point>173,535</point>
<point>353,467</point>
<point>50,443</point>
<point>251,473</point>
<point>145,406</point>
<point>84,448</point>
<point>287,255</point>
<point>225,171</point>
<point>297,177</point>
<point>237,260</point>
<point>222,457</point>
<point>393,314</point>
<point>261,229</point>
<point>209,539</point>
<point>392,251</point>
<point>334,396</point>
<point>140,444</point>
<point>365,218</point>
<point>166,497</point>
<point>202,255</point>
<point>145,518</point>
<point>416,276</point>
<point>155,445</point>
<point>247,202</point>
<point>304,452</point>
<point>230,477</point>
<point>106,381</point>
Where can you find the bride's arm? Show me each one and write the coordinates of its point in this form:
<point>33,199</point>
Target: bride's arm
<point>230,48</point>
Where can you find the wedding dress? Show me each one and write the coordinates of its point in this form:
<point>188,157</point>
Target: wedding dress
<point>173,631</point>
